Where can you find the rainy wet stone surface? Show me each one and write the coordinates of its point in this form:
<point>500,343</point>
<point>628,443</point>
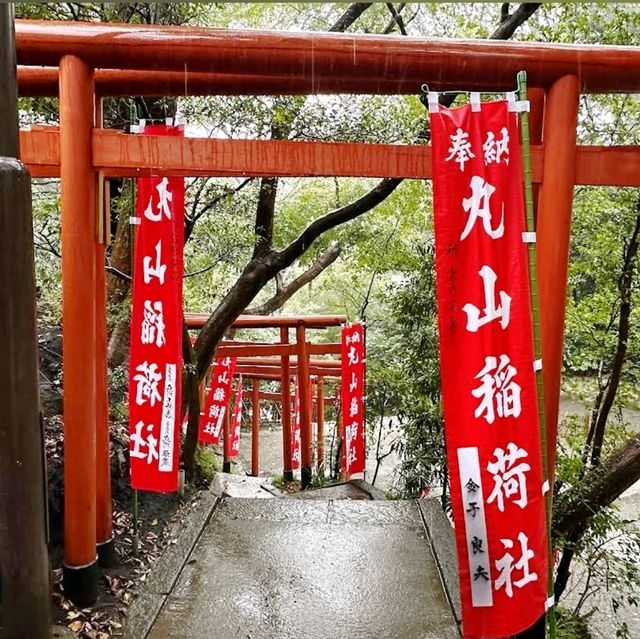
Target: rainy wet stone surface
<point>280,568</point>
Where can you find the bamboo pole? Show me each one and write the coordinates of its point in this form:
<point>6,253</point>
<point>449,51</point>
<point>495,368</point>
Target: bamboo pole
<point>537,342</point>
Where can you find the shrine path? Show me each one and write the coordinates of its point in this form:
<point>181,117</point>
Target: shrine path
<point>307,568</point>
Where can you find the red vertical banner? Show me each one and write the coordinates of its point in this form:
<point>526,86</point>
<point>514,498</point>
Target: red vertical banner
<point>236,422</point>
<point>352,398</point>
<point>155,368</point>
<point>296,446</point>
<point>488,368</point>
<point>217,402</point>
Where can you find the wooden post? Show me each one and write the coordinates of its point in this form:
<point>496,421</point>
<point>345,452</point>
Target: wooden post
<point>226,440</point>
<point>255,428</point>
<point>304,389</point>
<point>79,339</point>
<point>23,553</point>
<point>553,231</point>
<point>287,473</point>
<point>104,523</point>
<point>320,413</point>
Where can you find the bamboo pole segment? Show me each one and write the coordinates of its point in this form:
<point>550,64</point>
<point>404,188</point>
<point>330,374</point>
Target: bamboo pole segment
<point>104,522</point>
<point>537,345</point>
<point>285,391</point>
<point>304,390</point>
<point>320,418</point>
<point>553,236</point>
<point>79,343</point>
<point>255,428</point>
<point>23,553</point>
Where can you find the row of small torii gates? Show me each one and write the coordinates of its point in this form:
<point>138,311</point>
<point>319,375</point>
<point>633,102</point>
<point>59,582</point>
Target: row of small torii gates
<point>81,63</point>
<point>288,359</point>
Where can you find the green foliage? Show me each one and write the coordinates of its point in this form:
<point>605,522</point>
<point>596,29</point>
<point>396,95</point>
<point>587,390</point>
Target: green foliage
<point>571,626</point>
<point>207,463</point>
<point>602,223</point>
<point>414,382</point>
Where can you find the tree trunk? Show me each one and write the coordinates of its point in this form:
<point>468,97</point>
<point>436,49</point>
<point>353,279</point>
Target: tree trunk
<point>601,487</point>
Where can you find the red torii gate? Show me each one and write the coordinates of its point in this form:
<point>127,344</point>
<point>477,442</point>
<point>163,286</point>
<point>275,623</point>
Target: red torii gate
<point>273,362</point>
<point>121,59</point>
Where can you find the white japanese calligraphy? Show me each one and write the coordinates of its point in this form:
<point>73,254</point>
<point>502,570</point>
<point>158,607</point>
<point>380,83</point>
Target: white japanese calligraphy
<point>163,204</point>
<point>460,148</point>
<point>491,311</point>
<point>499,392</point>
<point>509,476</point>
<point>153,324</point>
<point>494,149</point>
<point>139,442</point>
<point>506,566</point>
<point>353,383</point>
<point>158,270</point>
<point>478,206</point>
<point>147,380</point>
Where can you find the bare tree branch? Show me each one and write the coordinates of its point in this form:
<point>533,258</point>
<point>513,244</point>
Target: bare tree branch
<point>625,283</point>
<point>264,215</point>
<point>509,25</point>
<point>504,12</point>
<point>334,218</point>
<point>284,293</point>
<point>396,18</point>
<point>353,12</point>
<point>601,486</point>
<point>125,277</point>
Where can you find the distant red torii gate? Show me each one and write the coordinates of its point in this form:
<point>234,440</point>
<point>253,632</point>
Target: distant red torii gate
<point>273,362</point>
<point>275,63</point>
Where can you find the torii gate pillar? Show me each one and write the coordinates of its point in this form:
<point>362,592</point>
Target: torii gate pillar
<point>553,236</point>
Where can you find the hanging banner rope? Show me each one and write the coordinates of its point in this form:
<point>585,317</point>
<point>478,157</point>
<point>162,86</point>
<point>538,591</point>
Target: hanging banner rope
<point>352,397</point>
<point>216,406</point>
<point>155,370</point>
<point>236,422</point>
<point>487,364</point>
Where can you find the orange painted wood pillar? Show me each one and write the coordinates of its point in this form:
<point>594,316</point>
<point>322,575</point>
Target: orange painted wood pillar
<point>285,393</point>
<point>255,428</point>
<point>79,322</point>
<point>553,235</point>
<point>320,414</point>
<point>304,389</point>
<point>536,97</point>
<point>104,522</point>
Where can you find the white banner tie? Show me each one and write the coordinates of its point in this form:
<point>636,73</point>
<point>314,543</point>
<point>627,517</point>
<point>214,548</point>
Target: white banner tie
<point>432,101</point>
